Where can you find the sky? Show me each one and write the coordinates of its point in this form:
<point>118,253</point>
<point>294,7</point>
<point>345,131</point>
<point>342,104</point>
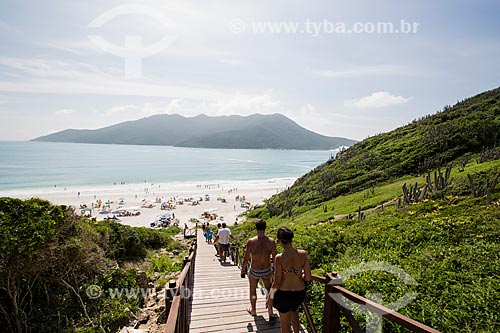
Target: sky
<point>350,69</point>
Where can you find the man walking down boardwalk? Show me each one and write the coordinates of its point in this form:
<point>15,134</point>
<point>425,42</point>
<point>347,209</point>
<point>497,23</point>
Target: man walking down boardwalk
<point>223,237</point>
<point>259,249</point>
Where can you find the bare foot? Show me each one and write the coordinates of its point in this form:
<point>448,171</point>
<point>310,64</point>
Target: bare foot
<point>252,313</point>
<point>273,317</point>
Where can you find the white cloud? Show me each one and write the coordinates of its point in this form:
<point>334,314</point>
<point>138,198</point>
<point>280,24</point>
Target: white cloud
<point>77,47</point>
<point>363,71</point>
<point>60,77</point>
<point>245,104</point>
<point>238,105</point>
<point>307,109</point>
<point>231,61</point>
<point>120,109</point>
<point>8,28</point>
<point>7,99</point>
<point>378,99</point>
<point>65,112</point>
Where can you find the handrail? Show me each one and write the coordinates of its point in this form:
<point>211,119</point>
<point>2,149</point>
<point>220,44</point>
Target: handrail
<point>387,313</point>
<point>334,304</point>
<point>178,296</point>
<point>234,253</point>
<point>172,320</point>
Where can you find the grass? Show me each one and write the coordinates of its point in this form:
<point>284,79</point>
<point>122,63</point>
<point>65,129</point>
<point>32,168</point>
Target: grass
<point>449,245</point>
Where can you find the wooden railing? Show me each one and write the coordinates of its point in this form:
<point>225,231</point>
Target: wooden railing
<point>179,294</point>
<point>334,306</point>
<point>234,254</point>
<point>178,302</point>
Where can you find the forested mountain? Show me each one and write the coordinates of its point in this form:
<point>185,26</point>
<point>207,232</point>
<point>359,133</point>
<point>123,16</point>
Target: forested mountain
<point>251,132</point>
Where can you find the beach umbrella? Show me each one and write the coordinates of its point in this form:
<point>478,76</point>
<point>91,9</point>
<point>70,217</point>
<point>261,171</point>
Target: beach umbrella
<point>105,212</point>
<point>121,199</point>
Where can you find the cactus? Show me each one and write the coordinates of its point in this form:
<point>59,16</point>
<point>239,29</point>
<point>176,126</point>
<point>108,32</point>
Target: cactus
<point>441,181</point>
<point>488,154</point>
<point>483,189</point>
<point>433,187</point>
<point>360,213</point>
<point>414,194</point>
<point>462,163</point>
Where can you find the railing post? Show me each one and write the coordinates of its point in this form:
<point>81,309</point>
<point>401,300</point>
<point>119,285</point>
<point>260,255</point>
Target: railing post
<point>170,292</point>
<point>331,312</point>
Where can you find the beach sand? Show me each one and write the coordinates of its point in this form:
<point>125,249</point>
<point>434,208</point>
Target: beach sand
<point>254,191</point>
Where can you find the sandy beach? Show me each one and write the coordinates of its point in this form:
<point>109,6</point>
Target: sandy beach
<point>132,197</point>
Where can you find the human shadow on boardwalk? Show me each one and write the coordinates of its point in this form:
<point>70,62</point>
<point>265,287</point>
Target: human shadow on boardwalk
<point>260,325</point>
<point>227,263</point>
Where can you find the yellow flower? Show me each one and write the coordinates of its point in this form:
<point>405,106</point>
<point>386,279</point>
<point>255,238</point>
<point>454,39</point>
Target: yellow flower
<point>479,236</point>
<point>411,212</point>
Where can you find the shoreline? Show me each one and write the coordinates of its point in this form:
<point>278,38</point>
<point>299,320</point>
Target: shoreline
<point>134,195</point>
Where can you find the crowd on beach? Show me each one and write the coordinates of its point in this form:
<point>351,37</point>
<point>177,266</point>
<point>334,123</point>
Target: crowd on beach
<point>161,211</point>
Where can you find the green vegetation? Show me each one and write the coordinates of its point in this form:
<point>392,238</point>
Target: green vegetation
<point>447,239</point>
<point>471,126</point>
<point>251,132</point>
<point>51,262</point>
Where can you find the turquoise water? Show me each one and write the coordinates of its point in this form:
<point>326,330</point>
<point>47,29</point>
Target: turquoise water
<point>26,165</point>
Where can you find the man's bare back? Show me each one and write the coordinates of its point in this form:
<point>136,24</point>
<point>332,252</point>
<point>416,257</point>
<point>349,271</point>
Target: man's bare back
<point>261,249</point>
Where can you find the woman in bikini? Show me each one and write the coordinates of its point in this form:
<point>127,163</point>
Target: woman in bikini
<point>291,271</point>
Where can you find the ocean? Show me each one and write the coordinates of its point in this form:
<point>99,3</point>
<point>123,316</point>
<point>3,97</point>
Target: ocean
<point>43,165</point>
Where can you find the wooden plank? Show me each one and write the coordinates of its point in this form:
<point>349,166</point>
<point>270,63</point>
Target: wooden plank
<point>221,297</point>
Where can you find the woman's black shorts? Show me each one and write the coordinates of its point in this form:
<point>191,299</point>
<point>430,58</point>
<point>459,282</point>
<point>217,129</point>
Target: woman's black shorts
<point>285,301</point>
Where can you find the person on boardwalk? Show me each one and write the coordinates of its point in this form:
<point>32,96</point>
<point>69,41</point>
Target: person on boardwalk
<point>208,235</point>
<point>223,237</point>
<point>260,249</point>
<point>291,271</point>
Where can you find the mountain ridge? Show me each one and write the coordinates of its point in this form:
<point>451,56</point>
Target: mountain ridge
<point>471,126</point>
<point>255,131</point>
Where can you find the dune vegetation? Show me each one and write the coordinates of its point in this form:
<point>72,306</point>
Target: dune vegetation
<point>423,198</point>
<point>59,271</point>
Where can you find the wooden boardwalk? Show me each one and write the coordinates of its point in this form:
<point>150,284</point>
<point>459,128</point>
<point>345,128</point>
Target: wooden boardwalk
<point>221,297</point>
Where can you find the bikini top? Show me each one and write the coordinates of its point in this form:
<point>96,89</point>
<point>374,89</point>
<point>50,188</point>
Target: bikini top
<point>292,270</point>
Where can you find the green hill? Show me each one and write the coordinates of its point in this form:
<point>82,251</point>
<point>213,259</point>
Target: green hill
<point>252,132</point>
<point>456,132</point>
<point>351,213</point>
